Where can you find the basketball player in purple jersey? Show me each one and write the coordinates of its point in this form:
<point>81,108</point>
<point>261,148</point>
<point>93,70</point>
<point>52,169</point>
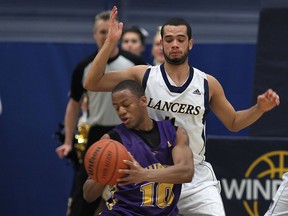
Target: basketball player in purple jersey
<point>161,160</point>
<point>185,94</point>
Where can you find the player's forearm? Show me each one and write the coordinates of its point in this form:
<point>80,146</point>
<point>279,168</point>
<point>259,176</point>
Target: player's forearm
<point>70,122</point>
<point>175,174</point>
<point>246,118</point>
<point>92,190</point>
<point>98,66</point>
<point>69,132</point>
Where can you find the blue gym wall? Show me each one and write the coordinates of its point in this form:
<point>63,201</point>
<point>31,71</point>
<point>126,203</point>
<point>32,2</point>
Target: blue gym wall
<point>41,41</point>
<point>35,79</point>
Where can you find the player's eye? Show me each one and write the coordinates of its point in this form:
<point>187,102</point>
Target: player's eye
<point>116,107</point>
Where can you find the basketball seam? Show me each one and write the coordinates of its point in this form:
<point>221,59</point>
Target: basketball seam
<point>114,169</point>
<point>101,155</point>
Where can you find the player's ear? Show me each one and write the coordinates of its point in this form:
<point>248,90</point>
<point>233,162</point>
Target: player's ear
<point>191,42</point>
<point>143,100</point>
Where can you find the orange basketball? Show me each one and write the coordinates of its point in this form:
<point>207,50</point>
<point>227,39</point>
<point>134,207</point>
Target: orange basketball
<point>103,159</point>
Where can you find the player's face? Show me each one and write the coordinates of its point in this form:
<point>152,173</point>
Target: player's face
<point>129,108</point>
<point>131,42</point>
<point>100,32</point>
<point>176,44</point>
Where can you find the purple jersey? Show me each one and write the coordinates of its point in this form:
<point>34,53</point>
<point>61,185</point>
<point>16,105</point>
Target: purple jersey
<point>147,198</point>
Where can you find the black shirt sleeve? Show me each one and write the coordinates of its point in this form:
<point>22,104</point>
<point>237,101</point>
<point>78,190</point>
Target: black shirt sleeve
<point>114,135</point>
<point>137,60</point>
<point>76,89</point>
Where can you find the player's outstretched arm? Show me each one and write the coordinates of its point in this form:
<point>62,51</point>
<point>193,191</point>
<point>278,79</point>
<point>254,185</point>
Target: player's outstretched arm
<point>98,65</point>
<point>238,120</point>
<point>268,100</point>
<point>97,79</point>
<point>182,171</point>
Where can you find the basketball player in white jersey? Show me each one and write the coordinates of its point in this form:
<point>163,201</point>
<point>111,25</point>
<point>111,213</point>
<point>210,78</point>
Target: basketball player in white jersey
<point>279,205</point>
<point>178,91</point>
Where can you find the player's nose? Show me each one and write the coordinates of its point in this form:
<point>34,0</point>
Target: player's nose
<point>121,111</point>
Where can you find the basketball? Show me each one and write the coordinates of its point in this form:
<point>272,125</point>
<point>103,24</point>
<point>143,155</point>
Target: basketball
<point>103,159</point>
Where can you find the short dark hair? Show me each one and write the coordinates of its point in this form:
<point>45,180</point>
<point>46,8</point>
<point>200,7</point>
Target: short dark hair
<point>104,15</point>
<point>176,21</point>
<point>137,30</point>
<point>134,87</point>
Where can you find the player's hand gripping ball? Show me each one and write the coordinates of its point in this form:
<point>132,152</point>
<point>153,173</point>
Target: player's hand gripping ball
<point>103,159</point>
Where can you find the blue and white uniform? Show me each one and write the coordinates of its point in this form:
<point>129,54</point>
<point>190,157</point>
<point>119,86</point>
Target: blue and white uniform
<point>187,106</point>
<point>279,205</point>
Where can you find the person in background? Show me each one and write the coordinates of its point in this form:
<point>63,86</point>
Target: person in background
<point>160,159</point>
<point>79,145</point>
<point>84,111</point>
<point>134,40</point>
<point>101,114</point>
<point>157,51</point>
<point>180,92</point>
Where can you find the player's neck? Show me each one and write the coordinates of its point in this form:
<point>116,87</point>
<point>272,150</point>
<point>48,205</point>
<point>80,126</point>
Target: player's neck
<point>147,125</point>
<point>178,73</point>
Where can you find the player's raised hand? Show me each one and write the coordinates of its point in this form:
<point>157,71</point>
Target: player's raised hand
<point>268,100</point>
<point>115,27</point>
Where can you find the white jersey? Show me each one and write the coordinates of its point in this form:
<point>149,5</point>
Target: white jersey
<point>279,205</point>
<point>186,105</point>
<point>101,111</point>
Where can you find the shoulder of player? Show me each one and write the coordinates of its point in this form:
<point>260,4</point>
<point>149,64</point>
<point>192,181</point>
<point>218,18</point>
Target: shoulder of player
<point>212,81</point>
<point>137,72</point>
<point>200,72</point>
<point>215,87</point>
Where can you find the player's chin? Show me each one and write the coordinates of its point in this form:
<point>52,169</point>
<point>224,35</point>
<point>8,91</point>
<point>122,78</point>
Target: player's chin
<point>128,124</point>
